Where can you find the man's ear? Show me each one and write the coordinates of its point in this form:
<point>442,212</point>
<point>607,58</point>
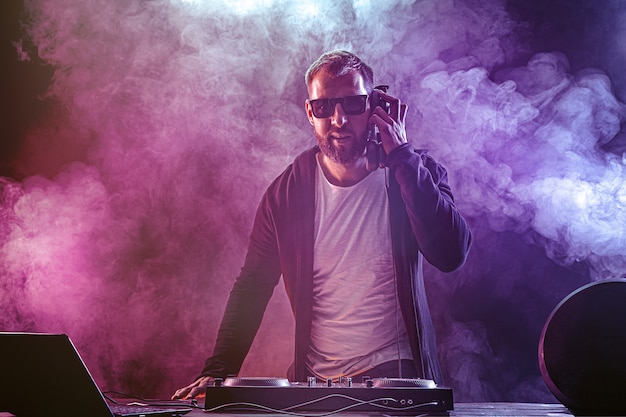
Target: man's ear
<point>309,111</point>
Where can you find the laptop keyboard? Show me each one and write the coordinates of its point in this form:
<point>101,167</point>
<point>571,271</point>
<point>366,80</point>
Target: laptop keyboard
<point>123,410</point>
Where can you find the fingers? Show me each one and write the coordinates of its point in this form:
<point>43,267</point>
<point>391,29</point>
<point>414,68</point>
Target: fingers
<point>397,109</point>
<point>403,110</point>
<point>198,387</point>
<point>181,393</point>
<point>391,126</point>
<point>195,392</point>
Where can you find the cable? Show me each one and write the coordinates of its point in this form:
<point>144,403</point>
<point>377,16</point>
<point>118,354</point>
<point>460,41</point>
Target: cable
<point>415,298</point>
<point>357,403</point>
<point>395,278</point>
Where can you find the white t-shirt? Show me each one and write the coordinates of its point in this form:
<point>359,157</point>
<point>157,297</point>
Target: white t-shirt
<point>356,323</point>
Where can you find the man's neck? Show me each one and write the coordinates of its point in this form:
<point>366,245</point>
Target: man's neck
<point>342,175</point>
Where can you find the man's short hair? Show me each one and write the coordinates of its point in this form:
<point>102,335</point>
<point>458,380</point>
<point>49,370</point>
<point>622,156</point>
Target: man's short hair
<point>338,63</point>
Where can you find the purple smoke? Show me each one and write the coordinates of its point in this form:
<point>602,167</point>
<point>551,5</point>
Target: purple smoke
<point>128,200</point>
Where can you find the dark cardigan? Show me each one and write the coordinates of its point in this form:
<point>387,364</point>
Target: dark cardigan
<point>424,221</point>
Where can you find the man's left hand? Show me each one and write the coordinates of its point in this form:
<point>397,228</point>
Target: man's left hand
<point>391,126</point>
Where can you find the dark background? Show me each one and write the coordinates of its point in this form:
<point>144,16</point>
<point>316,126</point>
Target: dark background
<point>129,180</point>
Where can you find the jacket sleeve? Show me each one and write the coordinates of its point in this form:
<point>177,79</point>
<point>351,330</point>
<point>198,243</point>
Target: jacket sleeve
<point>248,298</point>
<point>443,236</point>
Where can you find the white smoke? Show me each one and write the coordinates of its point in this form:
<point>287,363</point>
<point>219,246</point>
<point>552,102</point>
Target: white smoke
<point>171,118</point>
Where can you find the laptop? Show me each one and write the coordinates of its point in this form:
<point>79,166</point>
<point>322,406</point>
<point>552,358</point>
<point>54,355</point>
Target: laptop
<point>43,375</point>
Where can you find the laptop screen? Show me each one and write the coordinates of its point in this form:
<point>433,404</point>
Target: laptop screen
<point>43,375</point>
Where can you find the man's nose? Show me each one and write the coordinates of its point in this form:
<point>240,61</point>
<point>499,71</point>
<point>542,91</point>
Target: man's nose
<point>339,117</point>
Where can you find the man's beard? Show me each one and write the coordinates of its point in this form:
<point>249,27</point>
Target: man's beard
<point>346,152</point>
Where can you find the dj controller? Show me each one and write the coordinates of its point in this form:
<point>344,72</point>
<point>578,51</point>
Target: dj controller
<point>390,396</point>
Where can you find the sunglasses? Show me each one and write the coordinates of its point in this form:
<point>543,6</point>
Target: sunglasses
<point>325,107</point>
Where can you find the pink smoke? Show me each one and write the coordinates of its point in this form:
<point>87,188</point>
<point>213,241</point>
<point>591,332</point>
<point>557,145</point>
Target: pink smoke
<point>166,120</point>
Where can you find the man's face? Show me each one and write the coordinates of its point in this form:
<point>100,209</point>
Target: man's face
<point>340,136</point>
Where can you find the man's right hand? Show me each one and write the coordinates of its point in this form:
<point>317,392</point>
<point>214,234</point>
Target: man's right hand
<point>194,389</point>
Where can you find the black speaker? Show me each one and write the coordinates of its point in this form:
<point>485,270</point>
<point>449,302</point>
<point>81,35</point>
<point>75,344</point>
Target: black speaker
<point>582,350</point>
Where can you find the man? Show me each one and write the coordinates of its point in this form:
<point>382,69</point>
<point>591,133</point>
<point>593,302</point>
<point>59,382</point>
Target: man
<point>348,245</point>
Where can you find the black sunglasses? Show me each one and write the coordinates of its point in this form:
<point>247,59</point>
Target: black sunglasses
<point>325,107</point>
